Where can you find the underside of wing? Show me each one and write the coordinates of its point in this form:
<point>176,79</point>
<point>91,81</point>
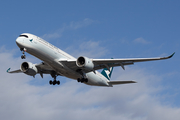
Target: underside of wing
<point>44,68</point>
<point>41,68</point>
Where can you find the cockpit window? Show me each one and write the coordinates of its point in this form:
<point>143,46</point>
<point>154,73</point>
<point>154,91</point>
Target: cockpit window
<point>23,36</point>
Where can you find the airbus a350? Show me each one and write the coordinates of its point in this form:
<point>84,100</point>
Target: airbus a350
<point>59,63</point>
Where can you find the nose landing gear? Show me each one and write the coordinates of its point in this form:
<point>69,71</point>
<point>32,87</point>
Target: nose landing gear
<point>23,57</point>
<point>23,52</point>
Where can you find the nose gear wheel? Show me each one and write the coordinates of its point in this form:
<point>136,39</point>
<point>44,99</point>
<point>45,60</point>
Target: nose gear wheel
<point>23,52</point>
<point>23,57</point>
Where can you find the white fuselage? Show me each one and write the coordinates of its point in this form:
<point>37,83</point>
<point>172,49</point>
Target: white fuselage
<point>53,56</point>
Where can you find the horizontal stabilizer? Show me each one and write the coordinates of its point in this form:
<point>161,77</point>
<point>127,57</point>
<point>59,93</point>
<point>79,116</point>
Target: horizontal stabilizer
<point>120,82</point>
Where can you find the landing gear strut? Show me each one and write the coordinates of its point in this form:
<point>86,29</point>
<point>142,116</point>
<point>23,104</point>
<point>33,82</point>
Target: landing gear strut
<point>23,52</point>
<point>54,82</point>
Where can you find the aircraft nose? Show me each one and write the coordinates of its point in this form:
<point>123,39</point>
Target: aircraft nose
<point>19,41</point>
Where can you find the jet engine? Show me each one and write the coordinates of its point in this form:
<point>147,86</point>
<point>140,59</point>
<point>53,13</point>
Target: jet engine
<point>29,68</point>
<point>85,63</point>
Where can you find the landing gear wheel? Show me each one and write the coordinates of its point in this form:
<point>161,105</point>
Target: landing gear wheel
<point>23,52</point>
<point>50,82</point>
<point>54,82</point>
<point>23,57</point>
<point>58,82</point>
<point>82,80</point>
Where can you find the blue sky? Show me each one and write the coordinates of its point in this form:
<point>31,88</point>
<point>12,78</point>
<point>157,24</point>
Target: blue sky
<point>96,29</point>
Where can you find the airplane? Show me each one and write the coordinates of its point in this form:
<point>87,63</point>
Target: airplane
<point>59,63</point>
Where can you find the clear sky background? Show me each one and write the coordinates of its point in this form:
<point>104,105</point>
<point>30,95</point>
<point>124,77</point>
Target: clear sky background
<point>96,29</point>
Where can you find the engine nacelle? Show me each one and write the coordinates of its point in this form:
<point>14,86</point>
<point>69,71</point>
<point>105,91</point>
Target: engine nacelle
<point>85,63</point>
<point>29,68</point>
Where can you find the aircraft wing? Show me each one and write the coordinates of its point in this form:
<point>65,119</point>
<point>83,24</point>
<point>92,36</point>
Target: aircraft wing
<point>15,71</point>
<point>120,82</point>
<point>43,68</point>
<point>107,63</point>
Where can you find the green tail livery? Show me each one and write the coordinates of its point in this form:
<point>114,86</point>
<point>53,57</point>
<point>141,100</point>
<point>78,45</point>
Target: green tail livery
<point>107,73</point>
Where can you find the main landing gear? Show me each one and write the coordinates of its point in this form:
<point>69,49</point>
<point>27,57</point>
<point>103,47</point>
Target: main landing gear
<point>23,52</point>
<point>82,80</point>
<point>54,82</point>
<point>84,77</point>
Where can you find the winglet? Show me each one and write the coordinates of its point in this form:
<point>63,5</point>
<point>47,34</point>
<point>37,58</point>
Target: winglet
<point>171,55</point>
<point>8,70</point>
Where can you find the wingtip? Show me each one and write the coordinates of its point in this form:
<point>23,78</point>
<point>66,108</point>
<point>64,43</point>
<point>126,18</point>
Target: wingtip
<point>134,82</point>
<point>171,55</point>
<point>8,70</point>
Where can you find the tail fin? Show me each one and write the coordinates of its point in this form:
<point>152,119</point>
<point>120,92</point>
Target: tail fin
<point>107,73</point>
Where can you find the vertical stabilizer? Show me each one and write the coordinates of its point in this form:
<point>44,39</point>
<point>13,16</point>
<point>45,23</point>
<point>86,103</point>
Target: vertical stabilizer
<point>107,73</point>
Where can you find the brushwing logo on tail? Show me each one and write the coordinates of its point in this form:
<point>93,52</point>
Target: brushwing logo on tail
<point>107,73</point>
